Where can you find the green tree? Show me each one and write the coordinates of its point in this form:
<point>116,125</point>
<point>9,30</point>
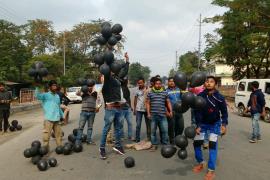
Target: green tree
<point>172,72</point>
<point>244,41</point>
<point>136,70</point>
<point>188,63</point>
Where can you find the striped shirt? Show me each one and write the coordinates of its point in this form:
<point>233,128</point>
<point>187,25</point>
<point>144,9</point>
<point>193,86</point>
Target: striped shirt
<point>158,102</point>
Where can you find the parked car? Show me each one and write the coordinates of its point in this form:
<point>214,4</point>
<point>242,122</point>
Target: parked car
<point>72,96</point>
<point>243,91</point>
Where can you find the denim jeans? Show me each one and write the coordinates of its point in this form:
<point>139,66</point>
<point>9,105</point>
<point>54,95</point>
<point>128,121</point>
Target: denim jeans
<point>175,126</point>
<point>139,116</point>
<point>255,125</point>
<point>88,117</point>
<point>163,128</point>
<point>126,114</point>
<point>114,116</point>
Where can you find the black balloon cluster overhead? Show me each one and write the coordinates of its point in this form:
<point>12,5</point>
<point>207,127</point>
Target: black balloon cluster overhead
<point>189,100</point>
<point>181,141</point>
<point>85,83</point>
<point>37,154</point>
<point>110,36</point>
<point>15,126</point>
<point>38,71</point>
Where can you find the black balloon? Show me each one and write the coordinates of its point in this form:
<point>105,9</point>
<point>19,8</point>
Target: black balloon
<point>199,103</point>
<point>19,127</point>
<point>181,141</point>
<point>180,107</point>
<point>81,81</point>
<point>78,147</point>
<point>180,80</point>
<point>36,143</point>
<point>43,150</point>
<point>118,37</point>
<point>112,41</point>
<point>32,72</point>
<point>182,154</point>
<point>99,59</point>
<point>27,153</point>
<point>117,28</point>
<point>11,128</point>
<point>75,132</point>
<point>14,123</point>
<point>106,32</point>
<point>71,138</point>
<point>108,57</point>
<point>90,82</point>
<point>167,151</point>
<point>129,162</point>
<point>67,149</point>
<point>197,79</point>
<point>35,159</point>
<point>101,40</point>
<point>42,165</point>
<point>34,151</point>
<point>190,132</point>
<point>188,98</point>
<point>43,72</point>
<point>59,150</point>
<point>84,89</point>
<point>104,69</point>
<point>52,162</point>
<point>105,24</point>
<point>116,67</point>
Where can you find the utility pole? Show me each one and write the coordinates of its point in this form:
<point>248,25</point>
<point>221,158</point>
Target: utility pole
<point>64,53</point>
<point>176,60</point>
<point>200,42</point>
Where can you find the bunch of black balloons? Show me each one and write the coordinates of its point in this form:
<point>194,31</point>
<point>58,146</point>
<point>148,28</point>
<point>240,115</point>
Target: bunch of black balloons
<point>181,141</point>
<point>189,100</point>
<point>37,152</point>
<point>15,126</point>
<point>38,71</point>
<point>106,60</point>
<point>85,83</point>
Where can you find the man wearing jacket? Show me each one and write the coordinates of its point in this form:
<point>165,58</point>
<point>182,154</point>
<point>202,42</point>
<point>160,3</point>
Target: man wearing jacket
<point>213,118</point>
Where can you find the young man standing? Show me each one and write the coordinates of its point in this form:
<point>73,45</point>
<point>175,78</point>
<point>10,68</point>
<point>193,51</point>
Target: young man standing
<point>156,103</point>
<point>52,112</point>
<point>88,114</point>
<point>256,106</point>
<point>113,99</point>
<point>210,118</point>
<point>140,110</point>
<point>5,99</point>
<point>176,122</point>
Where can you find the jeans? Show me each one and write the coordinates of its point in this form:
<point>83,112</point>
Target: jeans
<point>214,132</point>
<point>4,115</point>
<point>139,116</point>
<point>163,129</point>
<point>114,116</point>
<point>88,117</point>
<point>175,126</point>
<point>255,125</point>
<point>126,115</point>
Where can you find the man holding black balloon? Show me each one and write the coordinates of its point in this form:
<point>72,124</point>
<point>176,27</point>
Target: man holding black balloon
<point>113,99</point>
<point>5,99</point>
<point>213,118</point>
<point>52,113</point>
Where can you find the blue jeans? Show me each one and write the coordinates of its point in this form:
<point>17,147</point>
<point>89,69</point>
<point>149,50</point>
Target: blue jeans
<point>214,132</point>
<point>255,125</point>
<point>161,121</point>
<point>126,115</point>
<point>114,116</point>
<point>88,117</point>
<point>139,116</point>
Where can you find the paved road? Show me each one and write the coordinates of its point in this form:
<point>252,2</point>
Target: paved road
<point>238,159</point>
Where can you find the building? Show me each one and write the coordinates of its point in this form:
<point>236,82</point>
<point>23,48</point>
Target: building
<point>223,72</point>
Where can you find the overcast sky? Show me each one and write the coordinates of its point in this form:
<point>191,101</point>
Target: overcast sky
<point>155,29</point>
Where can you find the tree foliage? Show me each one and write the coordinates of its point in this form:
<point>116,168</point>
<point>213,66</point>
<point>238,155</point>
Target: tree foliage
<point>188,62</point>
<point>136,71</point>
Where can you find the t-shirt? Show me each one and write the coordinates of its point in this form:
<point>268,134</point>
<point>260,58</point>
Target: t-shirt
<point>140,94</point>
<point>5,95</point>
<point>158,102</point>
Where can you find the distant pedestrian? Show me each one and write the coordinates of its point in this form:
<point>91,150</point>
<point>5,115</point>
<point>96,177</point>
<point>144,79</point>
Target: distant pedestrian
<point>5,99</point>
<point>256,106</point>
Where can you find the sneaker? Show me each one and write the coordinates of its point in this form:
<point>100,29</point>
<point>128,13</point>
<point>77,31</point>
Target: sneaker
<point>119,150</point>
<point>102,153</point>
<point>252,140</point>
<point>259,138</point>
<point>198,168</point>
<point>210,175</point>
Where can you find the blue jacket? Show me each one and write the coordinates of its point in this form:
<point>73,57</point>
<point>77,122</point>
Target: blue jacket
<point>174,95</point>
<point>51,105</point>
<point>260,102</point>
<point>215,110</point>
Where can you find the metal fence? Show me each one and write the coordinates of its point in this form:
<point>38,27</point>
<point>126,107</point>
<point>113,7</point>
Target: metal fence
<point>27,95</point>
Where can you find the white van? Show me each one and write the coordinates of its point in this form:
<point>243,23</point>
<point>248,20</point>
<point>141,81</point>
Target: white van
<point>243,91</point>
<point>72,96</point>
